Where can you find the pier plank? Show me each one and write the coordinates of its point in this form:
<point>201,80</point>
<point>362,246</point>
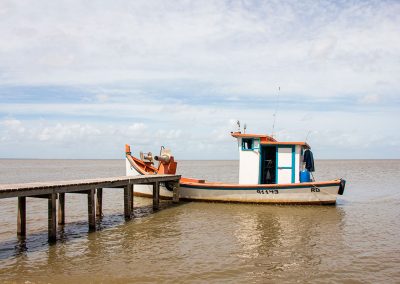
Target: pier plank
<point>42,188</point>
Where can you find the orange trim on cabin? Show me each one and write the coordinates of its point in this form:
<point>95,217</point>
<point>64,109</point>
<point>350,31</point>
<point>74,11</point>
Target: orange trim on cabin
<point>263,137</point>
<point>267,140</point>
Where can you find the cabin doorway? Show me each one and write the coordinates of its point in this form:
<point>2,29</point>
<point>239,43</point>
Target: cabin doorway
<point>268,165</point>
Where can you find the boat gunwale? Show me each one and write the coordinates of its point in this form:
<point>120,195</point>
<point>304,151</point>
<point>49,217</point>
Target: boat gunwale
<point>227,186</point>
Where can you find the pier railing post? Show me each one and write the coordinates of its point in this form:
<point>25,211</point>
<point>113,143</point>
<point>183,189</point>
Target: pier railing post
<point>175,196</point>
<point>99,203</point>
<point>127,200</point>
<point>91,210</point>
<point>61,208</point>
<point>21,221</point>
<point>156,195</point>
<point>52,217</point>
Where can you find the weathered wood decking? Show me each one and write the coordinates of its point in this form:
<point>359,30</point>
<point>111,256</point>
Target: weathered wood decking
<point>54,190</point>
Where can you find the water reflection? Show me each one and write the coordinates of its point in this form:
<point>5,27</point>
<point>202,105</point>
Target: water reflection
<point>287,239</point>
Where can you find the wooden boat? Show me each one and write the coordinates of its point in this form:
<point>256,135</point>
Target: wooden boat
<point>269,172</point>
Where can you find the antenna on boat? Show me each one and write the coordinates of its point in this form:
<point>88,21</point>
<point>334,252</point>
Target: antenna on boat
<point>276,110</point>
<point>244,128</point>
<point>238,124</point>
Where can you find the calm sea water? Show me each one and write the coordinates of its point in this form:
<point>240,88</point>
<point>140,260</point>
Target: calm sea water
<point>356,241</point>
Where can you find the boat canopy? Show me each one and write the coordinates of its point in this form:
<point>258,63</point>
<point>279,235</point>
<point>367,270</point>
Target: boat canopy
<point>268,140</point>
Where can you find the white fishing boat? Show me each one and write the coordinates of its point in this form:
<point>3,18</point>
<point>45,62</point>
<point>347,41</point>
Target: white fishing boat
<point>270,171</point>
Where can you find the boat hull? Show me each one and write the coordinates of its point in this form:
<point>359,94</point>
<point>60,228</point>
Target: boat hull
<point>300,193</point>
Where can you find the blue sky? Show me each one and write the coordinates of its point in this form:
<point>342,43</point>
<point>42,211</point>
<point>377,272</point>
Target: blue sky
<point>79,79</point>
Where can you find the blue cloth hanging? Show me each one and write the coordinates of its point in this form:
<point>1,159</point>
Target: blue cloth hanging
<point>309,160</point>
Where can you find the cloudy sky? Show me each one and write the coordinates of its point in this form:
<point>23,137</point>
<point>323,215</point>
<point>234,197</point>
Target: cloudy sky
<point>79,79</point>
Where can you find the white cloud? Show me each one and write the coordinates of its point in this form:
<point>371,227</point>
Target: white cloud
<point>319,49</point>
<point>333,134</point>
<point>370,99</point>
<point>66,133</point>
<point>102,98</point>
<point>323,48</point>
<point>153,73</point>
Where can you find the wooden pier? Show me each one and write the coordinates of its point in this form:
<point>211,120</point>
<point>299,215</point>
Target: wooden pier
<point>54,191</point>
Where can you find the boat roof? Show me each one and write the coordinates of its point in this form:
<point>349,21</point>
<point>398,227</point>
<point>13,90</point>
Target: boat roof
<point>263,137</point>
<point>268,140</point>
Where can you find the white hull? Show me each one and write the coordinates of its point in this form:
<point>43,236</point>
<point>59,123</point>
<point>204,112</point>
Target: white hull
<point>304,195</point>
<point>291,194</point>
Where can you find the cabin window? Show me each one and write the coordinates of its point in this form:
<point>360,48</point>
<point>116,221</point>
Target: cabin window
<point>247,144</point>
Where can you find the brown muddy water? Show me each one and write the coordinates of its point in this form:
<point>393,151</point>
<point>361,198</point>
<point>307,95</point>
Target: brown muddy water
<point>356,241</point>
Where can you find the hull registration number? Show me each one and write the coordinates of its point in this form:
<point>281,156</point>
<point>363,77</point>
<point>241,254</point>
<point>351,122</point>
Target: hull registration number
<point>267,191</point>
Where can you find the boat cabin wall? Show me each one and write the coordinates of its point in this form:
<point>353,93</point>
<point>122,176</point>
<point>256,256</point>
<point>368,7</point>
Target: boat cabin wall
<point>249,160</point>
<point>280,164</point>
<point>288,164</point>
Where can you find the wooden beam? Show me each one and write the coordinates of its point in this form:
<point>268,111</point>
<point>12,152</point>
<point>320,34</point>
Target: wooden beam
<point>87,191</point>
<point>52,217</point>
<point>61,208</point>
<point>91,210</point>
<point>99,202</point>
<point>175,196</point>
<point>21,220</point>
<point>127,201</point>
<point>43,196</point>
<point>156,195</point>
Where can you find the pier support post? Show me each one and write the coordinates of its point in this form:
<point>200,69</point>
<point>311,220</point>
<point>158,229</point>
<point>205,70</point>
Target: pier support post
<point>61,209</point>
<point>131,195</point>
<point>156,195</point>
<point>52,217</point>
<point>127,201</point>
<point>91,210</point>
<point>175,196</point>
<point>99,203</point>
<point>21,221</point>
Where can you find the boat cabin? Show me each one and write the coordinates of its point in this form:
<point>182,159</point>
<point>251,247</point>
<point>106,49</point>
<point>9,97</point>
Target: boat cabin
<point>264,160</point>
